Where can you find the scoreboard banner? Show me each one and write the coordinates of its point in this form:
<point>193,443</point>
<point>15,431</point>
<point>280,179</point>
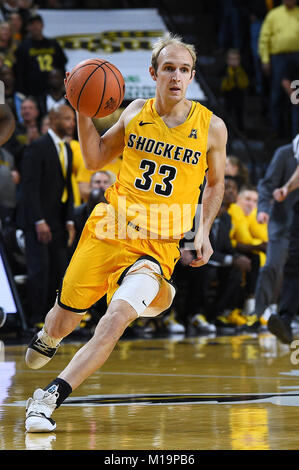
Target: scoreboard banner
<point>116,36</point>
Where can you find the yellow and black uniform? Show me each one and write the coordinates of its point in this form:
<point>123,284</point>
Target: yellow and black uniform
<point>150,206</point>
<point>163,168</point>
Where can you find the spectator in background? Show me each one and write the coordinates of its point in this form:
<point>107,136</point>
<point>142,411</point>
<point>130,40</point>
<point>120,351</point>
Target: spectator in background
<point>27,9</point>
<point>12,97</point>
<point>82,212</point>
<point>77,162</point>
<point>17,26</point>
<point>233,86</point>
<point>84,176</point>
<point>45,124</point>
<point>100,180</point>
<point>248,199</point>
<point>8,45</point>
<point>227,267</point>
<point>26,131</point>
<point>55,94</point>
<point>244,243</point>
<point>230,34</point>
<point>7,123</point>
<point>9,180</point>
<point>278,46</point>
<point>30,115</point>
<point>36,56</point>
<point>30,122</point>
<point>76,165</point>
<point>278,216</point>
<point>235,167</point>
<point>281,324</point>
<point>46,211</point>
<point>7,7</point>
<point>257,12</point>
<point>222,275</point>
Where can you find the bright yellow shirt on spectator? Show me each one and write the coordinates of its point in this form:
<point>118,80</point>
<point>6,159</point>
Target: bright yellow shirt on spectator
<point>279,33</point>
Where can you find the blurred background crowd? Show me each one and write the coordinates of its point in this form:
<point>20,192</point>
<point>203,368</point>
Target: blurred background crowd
<point>248,67</point>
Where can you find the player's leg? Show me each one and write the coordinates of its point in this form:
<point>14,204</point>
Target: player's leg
<point>129,301</point>
<point>137,291</point>
<point>97,350</point>
<point>59,323</point>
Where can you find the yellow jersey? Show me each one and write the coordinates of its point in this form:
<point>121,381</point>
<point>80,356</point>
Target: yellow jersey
<point>158,186</point>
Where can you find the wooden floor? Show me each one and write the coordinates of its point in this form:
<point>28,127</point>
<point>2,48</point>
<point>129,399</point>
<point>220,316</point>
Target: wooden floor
<point>228,392</point>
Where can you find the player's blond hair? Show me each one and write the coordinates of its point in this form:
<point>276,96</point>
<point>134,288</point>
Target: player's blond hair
<point>166,40</point>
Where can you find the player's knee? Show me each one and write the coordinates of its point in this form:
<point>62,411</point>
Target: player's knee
<point>121,312</point>
<point>117,318</point>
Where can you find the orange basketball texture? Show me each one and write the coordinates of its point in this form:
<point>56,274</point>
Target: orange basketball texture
<point>95,88</point>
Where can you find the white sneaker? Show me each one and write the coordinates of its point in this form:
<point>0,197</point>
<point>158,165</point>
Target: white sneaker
<point>38,411</point>
<point>202,325</point>
<point>40,350</point>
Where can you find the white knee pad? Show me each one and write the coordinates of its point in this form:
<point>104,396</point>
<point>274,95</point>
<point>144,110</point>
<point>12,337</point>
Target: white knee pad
<point>138,290</point>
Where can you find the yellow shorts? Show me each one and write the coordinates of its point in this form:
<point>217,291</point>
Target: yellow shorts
<point>98,264</point>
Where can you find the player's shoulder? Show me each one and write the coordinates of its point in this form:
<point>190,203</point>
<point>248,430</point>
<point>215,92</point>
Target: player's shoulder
<point>217,129</point>
<point>136,105</point>
<point>132,110</point>
<point>217,123</point>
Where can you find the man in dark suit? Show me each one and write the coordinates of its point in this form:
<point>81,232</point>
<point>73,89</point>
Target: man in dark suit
<point>47,211</point>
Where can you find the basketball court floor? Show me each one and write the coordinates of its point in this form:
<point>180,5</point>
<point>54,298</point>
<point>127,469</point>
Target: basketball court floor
<point>176,393</point>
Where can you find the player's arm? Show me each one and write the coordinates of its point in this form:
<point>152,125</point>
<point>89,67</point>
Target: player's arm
<point>7,123</point>
<point>214,189</point>
<point>99,150</point>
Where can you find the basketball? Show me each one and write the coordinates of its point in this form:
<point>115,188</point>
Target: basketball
<point>95,88</point>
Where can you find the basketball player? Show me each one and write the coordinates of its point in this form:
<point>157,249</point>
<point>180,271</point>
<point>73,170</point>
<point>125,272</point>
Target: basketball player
<point>168,145</point>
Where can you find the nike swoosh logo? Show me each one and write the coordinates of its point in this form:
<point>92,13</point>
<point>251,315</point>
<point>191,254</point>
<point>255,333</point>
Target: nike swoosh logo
<point>144,303</point>
<point>141,123</point>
